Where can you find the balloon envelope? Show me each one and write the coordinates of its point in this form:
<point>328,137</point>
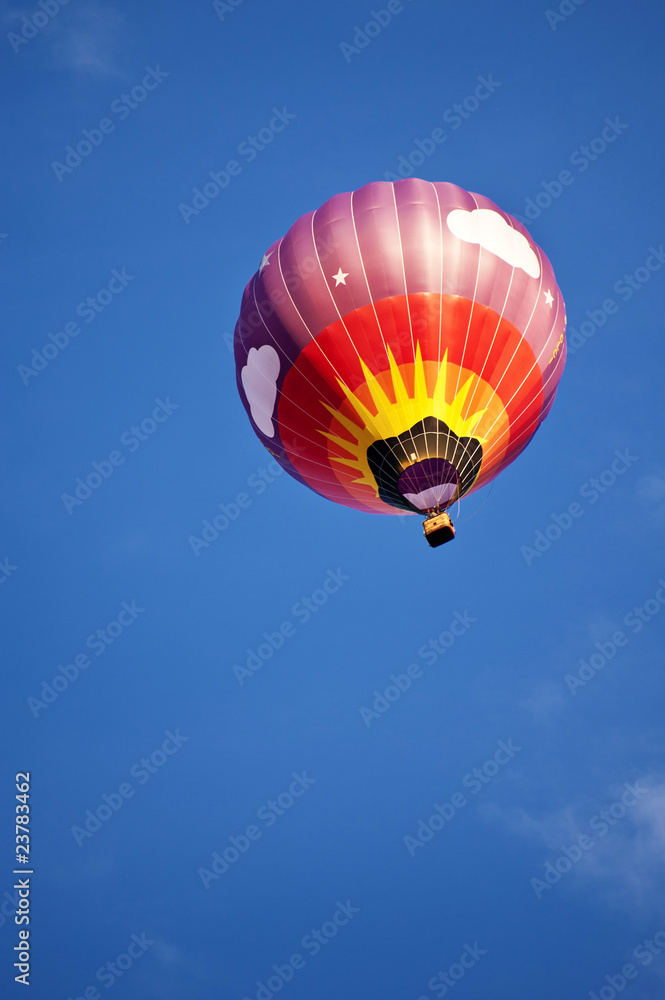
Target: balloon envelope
<point>400,346</point>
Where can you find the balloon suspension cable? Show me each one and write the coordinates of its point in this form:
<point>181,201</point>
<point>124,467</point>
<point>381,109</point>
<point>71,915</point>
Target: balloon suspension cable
<point>440,509</point>
<point>487,496</point>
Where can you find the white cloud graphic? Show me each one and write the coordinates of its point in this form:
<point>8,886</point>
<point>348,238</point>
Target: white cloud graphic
<point>259,378</point>
<point>493,233</point>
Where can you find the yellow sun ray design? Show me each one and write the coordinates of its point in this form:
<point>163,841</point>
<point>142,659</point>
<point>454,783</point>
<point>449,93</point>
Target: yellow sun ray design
<point>394,418</point>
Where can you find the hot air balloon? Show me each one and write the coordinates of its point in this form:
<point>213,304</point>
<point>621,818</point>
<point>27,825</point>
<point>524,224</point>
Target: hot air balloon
<point>399,347</point>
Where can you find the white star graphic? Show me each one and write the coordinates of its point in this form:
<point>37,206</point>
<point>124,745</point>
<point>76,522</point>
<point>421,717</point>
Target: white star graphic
<point>340,277</point>
<point>265,260</point>
<point>548,298</point>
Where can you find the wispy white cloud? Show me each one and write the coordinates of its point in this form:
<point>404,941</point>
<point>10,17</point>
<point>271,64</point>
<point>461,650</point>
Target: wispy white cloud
<point>85,36</point>
<point>650,492</point>
<point>547,697</point>
<point>631,868</point>
<point>545,701</point>
<point>89,40</point>
<point>625,867</point>
<point>651,489</point>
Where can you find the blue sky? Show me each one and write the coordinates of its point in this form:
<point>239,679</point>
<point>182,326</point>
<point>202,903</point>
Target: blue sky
<point>141,382</point>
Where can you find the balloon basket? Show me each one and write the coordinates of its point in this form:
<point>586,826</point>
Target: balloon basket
<point>438,529</point>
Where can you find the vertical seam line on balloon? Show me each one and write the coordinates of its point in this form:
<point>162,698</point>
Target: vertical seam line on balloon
<point>533,367</point>
<point>408,311</point>
<point>494,389</point>
<point>312,336</point>
<point>536,360</point>
<point>281,392</point>
<point>340,317</point>
<point>466,336</point>
<point>524,409</point>
<point>297,432</point>
<point>438,202</point>
<point>369,291</point>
